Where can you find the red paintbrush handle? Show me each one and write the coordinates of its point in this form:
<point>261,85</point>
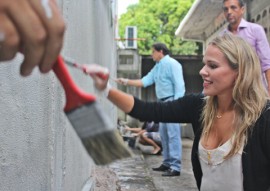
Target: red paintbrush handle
<point>75,97</point>
<point>103,75</point>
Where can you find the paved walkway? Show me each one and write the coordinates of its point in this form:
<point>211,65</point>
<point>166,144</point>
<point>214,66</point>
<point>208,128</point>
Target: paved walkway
<point>136,174</point>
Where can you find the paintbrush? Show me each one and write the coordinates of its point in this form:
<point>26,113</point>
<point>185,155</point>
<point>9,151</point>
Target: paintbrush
<point>100,138</point>
<point>89,68</point>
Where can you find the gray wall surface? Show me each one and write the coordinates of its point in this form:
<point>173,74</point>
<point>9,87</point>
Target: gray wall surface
<point>39,149</point>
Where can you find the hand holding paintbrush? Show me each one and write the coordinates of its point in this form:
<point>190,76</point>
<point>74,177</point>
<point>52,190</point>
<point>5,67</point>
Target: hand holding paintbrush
<point>102,72</point>
<point>98,73</point>
<point>98,135</point>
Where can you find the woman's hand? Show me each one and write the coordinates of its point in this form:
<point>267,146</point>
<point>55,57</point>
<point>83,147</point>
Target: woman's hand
<point>99,74</point>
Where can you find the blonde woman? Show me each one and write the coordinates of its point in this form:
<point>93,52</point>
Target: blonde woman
<point>231,121</point>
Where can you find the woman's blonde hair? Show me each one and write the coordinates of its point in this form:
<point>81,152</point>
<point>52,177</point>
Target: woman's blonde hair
<point>249,94</point>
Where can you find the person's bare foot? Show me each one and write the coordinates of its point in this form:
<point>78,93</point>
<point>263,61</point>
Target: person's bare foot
<point>156,151</point>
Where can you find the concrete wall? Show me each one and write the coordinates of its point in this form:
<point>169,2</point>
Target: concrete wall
<point>39,149</point>
<point>260,13</point>
<point>129,66</point>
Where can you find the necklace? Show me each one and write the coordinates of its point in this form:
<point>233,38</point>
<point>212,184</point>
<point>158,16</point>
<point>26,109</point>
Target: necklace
<point>209,158</point>
<point>213,154</point>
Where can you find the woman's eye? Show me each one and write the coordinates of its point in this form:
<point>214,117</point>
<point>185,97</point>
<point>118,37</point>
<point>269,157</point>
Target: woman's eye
<point>212,66</point>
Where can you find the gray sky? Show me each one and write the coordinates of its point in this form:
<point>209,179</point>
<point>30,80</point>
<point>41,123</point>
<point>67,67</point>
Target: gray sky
<point>123,4</point>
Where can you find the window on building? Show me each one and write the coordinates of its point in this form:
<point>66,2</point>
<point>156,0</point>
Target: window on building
<point>258,18</point>
<point>264,13</point>
<point>126,59</point>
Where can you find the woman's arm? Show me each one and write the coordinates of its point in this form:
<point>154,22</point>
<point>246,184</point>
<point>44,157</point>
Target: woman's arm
<point>133,130</point>
<point>122,100</point>
<point>183,110</point>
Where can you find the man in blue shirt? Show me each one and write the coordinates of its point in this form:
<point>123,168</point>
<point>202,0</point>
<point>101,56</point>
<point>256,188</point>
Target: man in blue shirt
<point>167,75</point>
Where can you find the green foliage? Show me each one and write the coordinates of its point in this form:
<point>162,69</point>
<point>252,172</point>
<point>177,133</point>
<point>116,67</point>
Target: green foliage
<point>157,21</point>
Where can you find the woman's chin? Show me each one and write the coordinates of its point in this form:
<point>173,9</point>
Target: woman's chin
<point>208,93</point>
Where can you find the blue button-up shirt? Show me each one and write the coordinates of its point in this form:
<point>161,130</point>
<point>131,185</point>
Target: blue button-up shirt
<point>167,75</point>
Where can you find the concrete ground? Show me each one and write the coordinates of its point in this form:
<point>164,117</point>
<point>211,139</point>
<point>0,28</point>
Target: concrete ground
<point>136,174</point>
